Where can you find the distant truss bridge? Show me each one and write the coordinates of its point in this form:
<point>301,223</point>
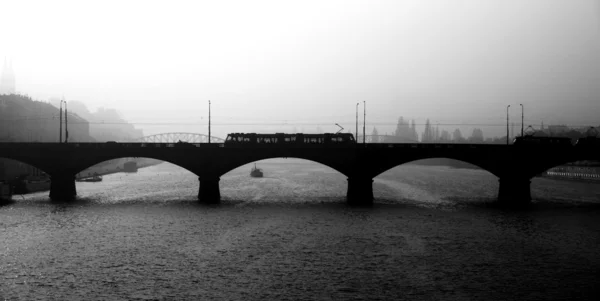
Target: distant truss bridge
<point>176,137</point>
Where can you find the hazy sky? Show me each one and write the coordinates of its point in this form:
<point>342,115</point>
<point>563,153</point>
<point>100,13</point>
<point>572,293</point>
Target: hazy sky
<point>309,62</point>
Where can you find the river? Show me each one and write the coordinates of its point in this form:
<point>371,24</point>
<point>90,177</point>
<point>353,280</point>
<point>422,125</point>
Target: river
<point>434,233</point>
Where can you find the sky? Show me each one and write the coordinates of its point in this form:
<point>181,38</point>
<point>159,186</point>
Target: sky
<point>298,65</point>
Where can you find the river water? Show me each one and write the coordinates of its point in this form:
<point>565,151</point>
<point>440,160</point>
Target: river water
<point>434,233</point>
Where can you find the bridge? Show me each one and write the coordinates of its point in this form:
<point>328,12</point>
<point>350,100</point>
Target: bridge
<point>513,165</point>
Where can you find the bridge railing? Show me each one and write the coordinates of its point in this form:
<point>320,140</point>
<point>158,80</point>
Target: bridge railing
<point>241,145</point>
<point>110,145</point>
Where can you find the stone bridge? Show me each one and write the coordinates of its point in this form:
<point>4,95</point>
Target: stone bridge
<point>514,165</point>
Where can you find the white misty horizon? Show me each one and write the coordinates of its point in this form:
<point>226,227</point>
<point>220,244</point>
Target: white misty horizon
<point>307,64</point>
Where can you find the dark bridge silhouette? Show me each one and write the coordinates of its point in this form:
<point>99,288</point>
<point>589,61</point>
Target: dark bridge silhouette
<point>514,165</point>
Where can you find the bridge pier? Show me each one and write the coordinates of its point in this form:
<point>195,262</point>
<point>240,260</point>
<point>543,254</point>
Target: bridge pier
<point>514,191</point>
<point>360,191</point>
<point>62,187</point>
<point>209,192</point>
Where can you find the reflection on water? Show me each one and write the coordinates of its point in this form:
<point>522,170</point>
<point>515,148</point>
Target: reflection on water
<point>289,235</point>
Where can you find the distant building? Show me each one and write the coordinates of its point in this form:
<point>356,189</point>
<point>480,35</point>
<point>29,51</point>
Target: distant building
<point>7,79</point>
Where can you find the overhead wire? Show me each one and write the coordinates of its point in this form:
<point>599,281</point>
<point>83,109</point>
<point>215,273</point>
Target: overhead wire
<point>279,122</point>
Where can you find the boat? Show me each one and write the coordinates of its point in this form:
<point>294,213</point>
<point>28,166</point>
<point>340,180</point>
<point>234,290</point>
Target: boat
<point>130,166</point>
<point>94,178</point>
<point>256,172</point>
<point>5,191</point>
<point>30,183</point>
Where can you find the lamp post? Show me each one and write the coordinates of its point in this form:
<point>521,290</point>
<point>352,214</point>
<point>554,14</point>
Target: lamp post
<point>66,124</point>
<point>357,121</point>
<point>364,120</point>
<point>60,122</point>
<point>507,124</point>
<point>522,115</point>
<point>209,121</point>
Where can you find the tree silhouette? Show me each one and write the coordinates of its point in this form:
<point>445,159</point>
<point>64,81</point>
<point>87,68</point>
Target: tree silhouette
<point>457,136</point>
<point>375,136</point>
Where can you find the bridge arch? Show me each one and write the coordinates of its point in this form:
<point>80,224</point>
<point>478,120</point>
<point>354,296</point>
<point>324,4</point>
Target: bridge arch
<point>239,163</point>
<point>438,181</point>
<point>291,178</point>
<point>401,160</point>
<point>91,162</point>
<point>29,162</point>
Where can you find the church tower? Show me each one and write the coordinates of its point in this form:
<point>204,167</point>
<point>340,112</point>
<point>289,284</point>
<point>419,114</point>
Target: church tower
<point>7,81</point>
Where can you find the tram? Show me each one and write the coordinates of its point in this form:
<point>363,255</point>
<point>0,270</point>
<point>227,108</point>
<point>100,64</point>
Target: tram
<point>289,139</point>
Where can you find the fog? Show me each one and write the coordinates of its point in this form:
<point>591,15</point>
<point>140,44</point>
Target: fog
<point>283,65</point>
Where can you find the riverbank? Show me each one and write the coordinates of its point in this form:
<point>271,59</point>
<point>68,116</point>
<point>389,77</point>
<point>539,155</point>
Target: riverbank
<point>572,176</point>
<point>107,169</point>
<point>35,184</point>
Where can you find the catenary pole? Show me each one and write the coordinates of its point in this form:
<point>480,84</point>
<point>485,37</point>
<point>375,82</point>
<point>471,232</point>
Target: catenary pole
<point>522,118</point>
<point>66,124</point>
<point>507,124</point>
<point>364,120</point>
<point>356,132</point>
<point>60,122</point>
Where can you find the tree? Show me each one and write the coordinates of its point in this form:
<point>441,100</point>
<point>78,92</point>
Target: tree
<point>457,136</point>
<point>375,136</point>
<point>414,135</point>
<point>428,133</point>
<point>476,136</point>
<point>445,136</point>
<point>403,133</point>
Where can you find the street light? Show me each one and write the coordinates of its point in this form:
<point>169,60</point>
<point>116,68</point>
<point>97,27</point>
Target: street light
<point>66,124</point>
<point>507,124</point>
<point>357,121</point>
<point>209,121</point>
<point>364,120</point>
<point>60,122</point>
<point>522,114</point>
